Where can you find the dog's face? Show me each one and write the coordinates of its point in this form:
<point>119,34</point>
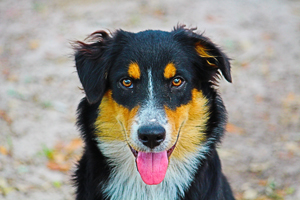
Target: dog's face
<point>153,88</point>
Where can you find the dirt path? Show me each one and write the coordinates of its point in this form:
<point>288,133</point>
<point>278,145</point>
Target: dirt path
<point>39,88</point>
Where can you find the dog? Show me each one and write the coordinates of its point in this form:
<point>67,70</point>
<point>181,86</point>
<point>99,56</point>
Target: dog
<point>151,117</point>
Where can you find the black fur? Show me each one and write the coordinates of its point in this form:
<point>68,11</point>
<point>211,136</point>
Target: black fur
<point>100,67</point>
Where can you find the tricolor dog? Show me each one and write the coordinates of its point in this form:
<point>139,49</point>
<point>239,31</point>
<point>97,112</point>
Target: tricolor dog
<point>151,118</point>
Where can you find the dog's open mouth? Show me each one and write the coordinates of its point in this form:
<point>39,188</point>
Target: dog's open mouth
<point>152,166</point>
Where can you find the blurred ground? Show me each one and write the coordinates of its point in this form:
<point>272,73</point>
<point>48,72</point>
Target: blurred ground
<point>39,88</point>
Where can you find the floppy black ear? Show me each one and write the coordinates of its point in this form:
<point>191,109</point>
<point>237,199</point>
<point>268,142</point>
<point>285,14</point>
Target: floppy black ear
<point>92,65</point>
<point>213,56</point>
<point>207,53</point>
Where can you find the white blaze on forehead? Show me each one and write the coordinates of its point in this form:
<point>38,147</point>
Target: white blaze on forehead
<point>150,85</point>
<point>150,111</point>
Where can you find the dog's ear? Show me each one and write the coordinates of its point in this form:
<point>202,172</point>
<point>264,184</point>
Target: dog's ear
<point>92,65</point>
<point>213,56</point>
<point>208,54</point>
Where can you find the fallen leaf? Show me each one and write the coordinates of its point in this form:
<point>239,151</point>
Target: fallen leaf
<point>5,117</point>
<point>263,182</point>
<point>59,167</point>
<point>58,157</point>
<point>289,190</point>
<point>4,187</point>
<point>3,150</point>
<point>74,145</point>
<point>63,155</point>
<point>59,146</point>
<point>231,128</point>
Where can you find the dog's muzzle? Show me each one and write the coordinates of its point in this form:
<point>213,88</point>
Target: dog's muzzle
<point>152,166</point>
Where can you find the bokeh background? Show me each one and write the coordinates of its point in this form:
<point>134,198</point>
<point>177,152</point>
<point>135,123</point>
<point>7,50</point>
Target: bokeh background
<point>39,88</point>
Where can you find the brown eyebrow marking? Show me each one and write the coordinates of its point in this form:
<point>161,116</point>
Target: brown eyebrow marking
<point>170,71</point>
<point>134,70</point>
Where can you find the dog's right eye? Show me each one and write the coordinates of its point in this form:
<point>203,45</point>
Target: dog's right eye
<point>126,82</point>
<point>177,82</point>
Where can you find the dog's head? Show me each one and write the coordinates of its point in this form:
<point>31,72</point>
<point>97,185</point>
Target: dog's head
<point>155,92</point>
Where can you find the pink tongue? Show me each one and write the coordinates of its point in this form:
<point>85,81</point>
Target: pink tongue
<point>152,166</point>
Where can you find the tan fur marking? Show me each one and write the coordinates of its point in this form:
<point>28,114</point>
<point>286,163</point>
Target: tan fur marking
<point>202,51</point>
<point>114,121</point>
<point>134,70</point>
<point>191,119</point>
<point>170,71</point>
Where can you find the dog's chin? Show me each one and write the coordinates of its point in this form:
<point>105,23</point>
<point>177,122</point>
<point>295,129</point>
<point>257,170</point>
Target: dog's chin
<point>152,166</point>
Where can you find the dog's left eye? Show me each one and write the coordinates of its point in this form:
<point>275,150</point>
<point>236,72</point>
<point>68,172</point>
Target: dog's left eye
<point>176,82</point>
<point>127,83</point>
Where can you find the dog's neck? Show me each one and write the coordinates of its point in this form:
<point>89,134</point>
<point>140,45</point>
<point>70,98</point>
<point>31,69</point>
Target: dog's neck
<point>125,181</point>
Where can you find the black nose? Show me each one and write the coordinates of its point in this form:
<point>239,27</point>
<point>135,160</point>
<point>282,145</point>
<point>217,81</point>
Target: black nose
<point>151,135</point>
